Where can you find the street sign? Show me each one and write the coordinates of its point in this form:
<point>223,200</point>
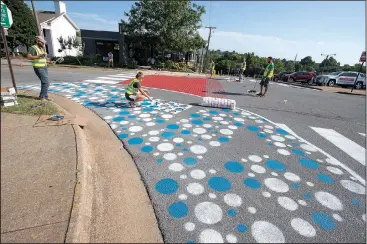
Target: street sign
<point>363,57</point>
<point>6,17</point>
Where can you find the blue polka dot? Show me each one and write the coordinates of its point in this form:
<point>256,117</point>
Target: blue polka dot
<point>190,161</point>
<point>195,115</point>
<point>159,160</point>
<point>270,143</point>
<point>253,128</point>
<point>147,149</point>
<point>123,136</point>
<point>178,144</point>
<point>178,209</point>
<point>185,150</point>
<point>168,134</point>
<point>323,220</point>
<point>325,178</point>
<point>213,112</point>
<point>356,202</point>
<point>252,183</point>
<point>275,165</point>
<point>236,113</point>
<point>124,113</point>
<point>298,152</point>
<point>307,195</point>
<point>118,119</point>
<point>207,119</point>
<point>166,186</point>
<point>261,135</point>
<point>219,184</point>
<point>172,127</point>
<point>308,163</point>
<point>226,110</point>
<point>295,186</point>
<point>132,116</point>
<point>147,110</point>
<point>238,124</point>
<point>135,141</point>
<point>241,228</point>
<point>232,212</point>
<point>223,139</point>
<point>197,122</point>
<point>185,132</point>
<point>190,242</point>
<point>234,167</point>
<point>281,131</point>
<point>159,121</point>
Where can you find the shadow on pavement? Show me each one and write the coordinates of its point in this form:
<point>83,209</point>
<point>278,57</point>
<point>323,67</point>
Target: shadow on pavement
<point>349,93</point>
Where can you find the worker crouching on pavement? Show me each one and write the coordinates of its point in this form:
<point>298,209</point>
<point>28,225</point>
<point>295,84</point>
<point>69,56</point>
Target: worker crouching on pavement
<point>134,91</point>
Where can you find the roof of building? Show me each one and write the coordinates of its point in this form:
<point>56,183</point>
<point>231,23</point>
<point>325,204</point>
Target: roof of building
<point>100,35</point>
<point>49,16</point>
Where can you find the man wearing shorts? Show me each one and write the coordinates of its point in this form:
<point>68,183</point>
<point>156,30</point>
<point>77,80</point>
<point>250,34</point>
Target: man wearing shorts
<point>134,92</point>
<point>268,74</point>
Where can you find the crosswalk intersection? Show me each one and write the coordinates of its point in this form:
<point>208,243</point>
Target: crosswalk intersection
<point>111,79</point>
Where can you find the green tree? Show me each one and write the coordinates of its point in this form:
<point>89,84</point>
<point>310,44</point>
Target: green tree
<point>289,66</point>
<point>347,67</point>
<point>308,64</point>
<point>279,66</point>
<point>298,67</point>
<point>24,29</point>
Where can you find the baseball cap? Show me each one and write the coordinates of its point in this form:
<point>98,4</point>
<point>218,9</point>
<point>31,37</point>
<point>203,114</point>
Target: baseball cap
<point>41,39</point>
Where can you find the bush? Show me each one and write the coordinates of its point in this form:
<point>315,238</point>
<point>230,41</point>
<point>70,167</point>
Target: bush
<point>132,64</point>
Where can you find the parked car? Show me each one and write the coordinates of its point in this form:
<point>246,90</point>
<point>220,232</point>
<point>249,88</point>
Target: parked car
<point>343,78</point>
<point>304,77</point>
<point>280,76</point>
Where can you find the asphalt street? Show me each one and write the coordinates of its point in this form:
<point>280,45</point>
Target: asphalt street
<point>289,167</point>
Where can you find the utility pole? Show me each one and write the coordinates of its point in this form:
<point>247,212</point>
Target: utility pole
<point>327,59</point>
<point>207,47</point>
<point>37,21</point>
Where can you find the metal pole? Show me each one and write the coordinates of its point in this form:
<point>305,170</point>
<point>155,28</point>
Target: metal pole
<point>37,21</point>
<point>7,56</point>
<point>360,69</point>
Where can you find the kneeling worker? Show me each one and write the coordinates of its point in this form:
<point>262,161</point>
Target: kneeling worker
<point>134,91</point>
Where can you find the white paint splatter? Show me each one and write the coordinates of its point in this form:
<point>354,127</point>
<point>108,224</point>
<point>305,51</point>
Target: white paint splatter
<point>292,177</point>
<point>232,200</point>
<point>265,232</point>
<point>328,200</point>
<point>287,203</point>
<point>255,158</point>
<point>303,227</point>
<point>258,169</point>
<point>353,187</point>
<point>197,174</point>
<point>198,149</point>
<point>195,189</point>
<point>165,147</point>
<point>176,167</point>
<point>276,185</point>
<point>210,236</point>
<point>208,213</point>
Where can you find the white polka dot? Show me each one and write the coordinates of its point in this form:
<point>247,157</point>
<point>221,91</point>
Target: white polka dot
<point>231,238</point>
<point>337,217</point>
<point>217,118</point>
<point>212,171</point>
<point>178,140</point>
<point>206,137</point>
<point>114,126</point>
<point>175,167</point>
<point>144,115</point>
<point>276,185</point>
<point>195,189</point>
<point>210,236</point>
<point>277,138</point>
<point>156,154</point>
<point>332,161</point>
<point>310,183</point>
<point>224,122</point>
<point>243,160</point>
<point>308,148</point>
<point>268,131</point>
<point>287,203</point>
<point>214,143</point>
<point>197,174</point>
<point>226,132</point>
<point>334,170</point>
<point>292,177</point>
<point>273,173</point>
<point>303,227</point>
<point>180,154</point>
<point>232,200</point>
<point>290,137</point>
<point>189,142</point>
<point>207,125</point>
<point>239,119</point>
<point>364,217</point>
<point>208,213</point>
<point>187,125</point>
<point>153,132</point>
<point>255,158</point>
<point>212,195</point>
<point>169,156</point>
<point>200,157</point>
<point>189,226</point>
<point>283,152</point>
<point>184,120</point>
<point>251,174</point>
<point>251,210</point>
<point>259,121</point>
<point>183,177</point>
<point>199,131</point>
<point>135,128</point>
<point>147,119</point>
<point>154,139</point>
<point>108,117</point>
<point>265,232</point>
<point>232,127</point>
<point>150,124</point>
<point>167,116</point>
<point>182,197</point>
<point>302,202</point>
<point>266,194</point>
<point>353,187</point>
<point>279,144</point>
<point>198,149</point>
<point>165,147</point>
<point>124,122</point>
<point>328,200</point>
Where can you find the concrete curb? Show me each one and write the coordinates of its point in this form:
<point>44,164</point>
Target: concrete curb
<point>292,84</point>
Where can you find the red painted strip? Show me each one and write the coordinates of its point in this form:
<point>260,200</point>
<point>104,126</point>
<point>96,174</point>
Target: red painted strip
<point>214,89</point>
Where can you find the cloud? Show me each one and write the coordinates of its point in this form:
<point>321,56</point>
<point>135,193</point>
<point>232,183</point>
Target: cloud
<point>264,45</point>
<point>93,18</point>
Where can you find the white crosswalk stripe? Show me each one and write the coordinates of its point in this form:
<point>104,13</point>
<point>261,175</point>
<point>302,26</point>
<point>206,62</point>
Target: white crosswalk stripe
<point>111,79</point>
<point>362,134</point>
<point>348,146</point>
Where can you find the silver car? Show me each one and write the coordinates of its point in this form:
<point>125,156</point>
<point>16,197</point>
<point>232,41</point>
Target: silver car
<point>342,78</point>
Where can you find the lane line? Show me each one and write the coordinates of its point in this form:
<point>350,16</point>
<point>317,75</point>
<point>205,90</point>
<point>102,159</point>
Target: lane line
<point>100,81</point>
<point>111,78</point>
<point>345,144</point>
<point>121,76</point>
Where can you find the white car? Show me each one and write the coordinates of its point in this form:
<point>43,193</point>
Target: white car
<point>343,78</point>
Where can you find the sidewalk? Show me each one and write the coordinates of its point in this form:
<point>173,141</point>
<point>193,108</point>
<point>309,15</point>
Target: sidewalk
<point>38,175</point>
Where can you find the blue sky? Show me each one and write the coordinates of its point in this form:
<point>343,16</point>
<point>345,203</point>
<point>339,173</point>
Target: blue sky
<point>267,28</point>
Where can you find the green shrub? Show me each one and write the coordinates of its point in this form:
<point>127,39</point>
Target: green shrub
<point>132,64</point>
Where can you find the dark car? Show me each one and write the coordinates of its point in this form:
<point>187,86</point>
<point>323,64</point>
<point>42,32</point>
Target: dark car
<point>303,76</point>
<point>280,75</point>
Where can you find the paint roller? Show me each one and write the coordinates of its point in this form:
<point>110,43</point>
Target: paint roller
<point>218,102</point>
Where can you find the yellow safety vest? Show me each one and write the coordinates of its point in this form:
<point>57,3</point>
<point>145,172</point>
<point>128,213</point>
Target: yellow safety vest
<point>130,88</point>
<point>41,62</point>
<point>271,73</point>
<point>244,68</point>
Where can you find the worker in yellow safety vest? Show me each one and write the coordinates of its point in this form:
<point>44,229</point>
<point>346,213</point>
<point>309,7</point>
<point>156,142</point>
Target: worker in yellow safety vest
<point>134,92</point>
<point>242,71</point>
<point>38,55</point>
<point>212,69</point>
<point>268,74</point>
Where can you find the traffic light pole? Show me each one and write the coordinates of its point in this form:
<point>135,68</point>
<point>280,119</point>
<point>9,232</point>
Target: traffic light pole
<point>7,56</point>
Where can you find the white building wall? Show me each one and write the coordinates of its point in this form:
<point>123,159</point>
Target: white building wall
<point>62,27</point>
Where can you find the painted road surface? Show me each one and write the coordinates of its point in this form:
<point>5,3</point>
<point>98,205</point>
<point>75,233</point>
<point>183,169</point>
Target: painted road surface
<point>217,175</point>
